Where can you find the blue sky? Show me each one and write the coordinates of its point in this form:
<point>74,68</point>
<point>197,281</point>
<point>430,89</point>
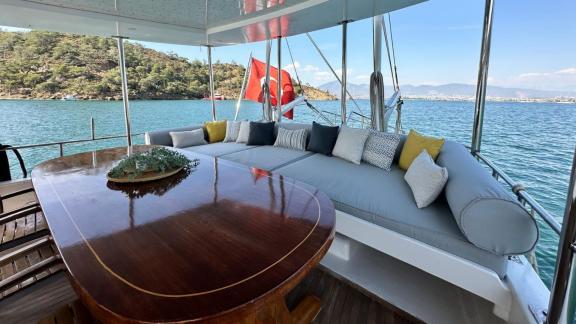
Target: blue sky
<point>437,42</point>
<point>533,45</point>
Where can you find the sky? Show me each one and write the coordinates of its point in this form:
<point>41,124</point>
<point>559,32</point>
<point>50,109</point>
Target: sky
<point>438,42</point>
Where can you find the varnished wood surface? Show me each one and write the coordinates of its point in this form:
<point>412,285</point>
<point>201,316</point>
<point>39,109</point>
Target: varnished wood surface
<point>214,244</point>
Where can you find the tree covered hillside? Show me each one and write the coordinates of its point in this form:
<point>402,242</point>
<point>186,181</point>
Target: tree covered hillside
<point>48,65</point>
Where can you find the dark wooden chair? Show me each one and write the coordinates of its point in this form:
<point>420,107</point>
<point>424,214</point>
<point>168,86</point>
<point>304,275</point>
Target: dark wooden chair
<point>26,251</point>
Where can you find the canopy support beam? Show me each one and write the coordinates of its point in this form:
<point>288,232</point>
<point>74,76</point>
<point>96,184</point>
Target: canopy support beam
<point>344,72</point>
<point>482,77</point>
<point>124,80</point>
<point>211,77</point>
<point>278,115</point>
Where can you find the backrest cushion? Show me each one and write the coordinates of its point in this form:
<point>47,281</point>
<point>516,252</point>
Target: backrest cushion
<point>232,130</point>
<point>292,138</point>
<point>216,131</point>
<point>415,143</point>
<point>188,138</point>
<point>486,213</point>
<point>322,139</point>
<point>261,133</point>
<point>350,144</point>
<point>163,137</point>
<point>244,132</point>
<point>380,149</point>
<point>292,126</point>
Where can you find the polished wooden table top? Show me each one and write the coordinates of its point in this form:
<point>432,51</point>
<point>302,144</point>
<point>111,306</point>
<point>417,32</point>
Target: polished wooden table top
<point>214,243</point>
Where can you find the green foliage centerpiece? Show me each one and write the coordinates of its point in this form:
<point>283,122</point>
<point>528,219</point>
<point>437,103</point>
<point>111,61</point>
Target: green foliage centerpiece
<point>158,163</point>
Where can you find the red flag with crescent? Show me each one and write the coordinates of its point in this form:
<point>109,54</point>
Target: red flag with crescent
<point>257,79</point>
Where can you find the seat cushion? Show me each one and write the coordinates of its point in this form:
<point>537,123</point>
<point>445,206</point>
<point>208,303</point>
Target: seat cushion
<point>267,157</point>
<point>384,198</point>
<point>219,149</point>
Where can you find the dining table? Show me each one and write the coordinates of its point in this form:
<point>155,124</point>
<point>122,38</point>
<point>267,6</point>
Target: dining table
<point>217,242</point>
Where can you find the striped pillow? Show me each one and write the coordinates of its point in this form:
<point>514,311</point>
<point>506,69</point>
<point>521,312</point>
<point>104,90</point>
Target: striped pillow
<point>294,139</point>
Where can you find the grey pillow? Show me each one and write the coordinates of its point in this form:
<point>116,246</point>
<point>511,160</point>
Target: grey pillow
<point>244,132</point>
<point>350,144</point>
<point>188,138</point>
<point>232,130</point>
<point>426,179</point>
<point>294,139</point>
<point>380,149</point>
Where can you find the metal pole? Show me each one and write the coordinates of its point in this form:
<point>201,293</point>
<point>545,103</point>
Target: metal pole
<point>482,77</point>
<point>343,92</point>
<point>267,99</point>
<point>279,83</point>
<point>92,130</point>
<point>211,76</point>
<point>377,42</point>
<point>243,89</point>
<point>122,64</point>
<point>558,309</point>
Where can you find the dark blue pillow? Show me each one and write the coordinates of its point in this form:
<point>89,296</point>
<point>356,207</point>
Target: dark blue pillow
<point>261,133</point>
<point>322,139</point>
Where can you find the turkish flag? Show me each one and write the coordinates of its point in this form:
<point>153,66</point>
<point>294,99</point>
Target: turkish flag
<point>257,79</point>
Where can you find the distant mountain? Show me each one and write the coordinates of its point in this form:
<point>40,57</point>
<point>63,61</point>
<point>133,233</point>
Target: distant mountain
<point>457,91</point>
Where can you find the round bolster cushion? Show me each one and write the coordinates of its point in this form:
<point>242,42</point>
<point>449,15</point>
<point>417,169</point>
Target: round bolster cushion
<point>488,216</point>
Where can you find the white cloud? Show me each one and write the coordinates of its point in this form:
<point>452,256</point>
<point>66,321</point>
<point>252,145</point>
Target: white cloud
<point>563,80</point>
<point>323,76</point>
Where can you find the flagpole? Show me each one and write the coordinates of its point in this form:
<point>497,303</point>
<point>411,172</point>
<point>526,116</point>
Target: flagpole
<point>243,89</point>
<point>267,100</point>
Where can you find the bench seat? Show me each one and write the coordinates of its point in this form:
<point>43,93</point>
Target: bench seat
<point>385,199</point>
<point>267,157</point>
<point>219,149</point>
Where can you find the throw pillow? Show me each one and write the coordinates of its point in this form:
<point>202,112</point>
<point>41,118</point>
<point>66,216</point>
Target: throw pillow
<point>232,130</point>
<point>380,149</point>
<point>426,179</point>
<point>244,132</point>
<point>414,144</point>
<point>261,133</point>
<point>216,131</point>
<point>350,144</point>
<point>188,138</point>
<point>291,138</point>
<point>322,138</point>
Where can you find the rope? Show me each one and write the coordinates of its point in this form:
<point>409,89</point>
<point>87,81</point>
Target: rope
<point>393,52</point>
<point>389,56</point>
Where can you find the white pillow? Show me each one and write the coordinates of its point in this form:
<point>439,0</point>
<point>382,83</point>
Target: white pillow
<point>426,179</point>
<point>232,130</point>
<point>188,138</point>
<point>244,132</point>
<point>350,144</point>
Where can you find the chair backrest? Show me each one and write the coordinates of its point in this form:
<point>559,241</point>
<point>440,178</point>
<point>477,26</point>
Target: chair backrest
<point>5,174</point>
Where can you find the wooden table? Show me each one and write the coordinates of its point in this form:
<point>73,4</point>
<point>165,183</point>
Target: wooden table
<point>223,243</point>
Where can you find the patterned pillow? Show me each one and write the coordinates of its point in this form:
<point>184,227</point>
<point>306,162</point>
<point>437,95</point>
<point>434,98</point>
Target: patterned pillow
<point>294,139</point>
<point>232,130</point>
<point>380,148</point>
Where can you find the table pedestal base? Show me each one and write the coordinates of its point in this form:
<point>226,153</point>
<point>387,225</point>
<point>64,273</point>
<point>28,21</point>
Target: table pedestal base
<point>277,312</point>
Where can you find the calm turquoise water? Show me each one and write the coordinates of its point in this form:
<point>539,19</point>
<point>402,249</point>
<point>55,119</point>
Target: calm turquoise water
<point>532,142</point>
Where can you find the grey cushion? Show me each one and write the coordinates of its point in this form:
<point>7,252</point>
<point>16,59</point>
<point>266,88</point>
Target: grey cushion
<point>219,149</point>
<point>487,215</point>
<point>350,144</point>
<point>232,130</point>
<point>385,199</point>
<point>244,132</point>
<point>426,179</point>
<point>291,138</point>
<point>162,137</point>
<point>267,157</point>
<point>380,149</point>
<point>188,138</point>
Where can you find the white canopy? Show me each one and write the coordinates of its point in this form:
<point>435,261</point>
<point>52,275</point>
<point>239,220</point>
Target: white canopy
<point>190,22</point>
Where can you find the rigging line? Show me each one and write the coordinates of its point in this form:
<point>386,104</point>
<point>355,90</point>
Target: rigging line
<point>294,65</point>
<point>333,72</point>
<point>393,51</point>
<point>389,56</point>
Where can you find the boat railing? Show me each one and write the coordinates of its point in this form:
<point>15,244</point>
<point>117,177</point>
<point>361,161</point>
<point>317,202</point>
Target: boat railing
<point>61,144</point>
<point>533,207</point>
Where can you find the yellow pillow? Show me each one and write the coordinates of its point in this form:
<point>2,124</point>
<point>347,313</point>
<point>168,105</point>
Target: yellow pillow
<point>414,145</point>
<point>216,131</point>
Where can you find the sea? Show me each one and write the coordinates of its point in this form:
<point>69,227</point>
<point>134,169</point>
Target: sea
<point>532,142</point>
